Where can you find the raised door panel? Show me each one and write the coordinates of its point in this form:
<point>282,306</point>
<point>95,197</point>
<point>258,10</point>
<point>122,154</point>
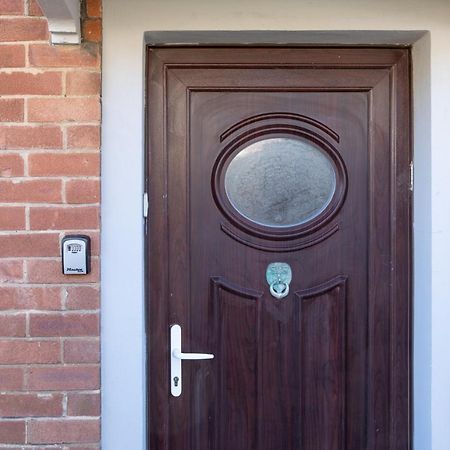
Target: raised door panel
<point>323,371</point>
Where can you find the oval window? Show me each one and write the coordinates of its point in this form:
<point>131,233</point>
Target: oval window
<point>280,182</point>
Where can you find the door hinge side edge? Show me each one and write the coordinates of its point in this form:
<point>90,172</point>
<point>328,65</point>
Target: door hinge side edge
<point>145,205</point>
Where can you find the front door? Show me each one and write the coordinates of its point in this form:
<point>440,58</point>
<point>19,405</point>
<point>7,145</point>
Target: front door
<point>279,243</point>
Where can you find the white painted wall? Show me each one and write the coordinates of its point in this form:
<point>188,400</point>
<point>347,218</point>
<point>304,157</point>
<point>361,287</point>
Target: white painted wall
<point>123,352</point>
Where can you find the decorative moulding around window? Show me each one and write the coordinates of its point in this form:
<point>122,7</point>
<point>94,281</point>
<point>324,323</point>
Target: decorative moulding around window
<point>63,20</point>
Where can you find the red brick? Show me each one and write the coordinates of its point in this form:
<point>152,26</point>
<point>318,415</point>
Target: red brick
<point>76,447</point>
<point>12,56</point>
<point>11,109</point>
<point>94,8</point>
<point>11,166</point>
<point>81,351</point>
<point>12,218</point>
<point>83,83</point>
<point>64,324</point>
<point>49,271</point>
<point>83,136</point>
<point>92,30</point>
<point>34,9</point>
<point>83,191</point>
<point>64,164</point>
<point>30,298</point>
<point>63,109</point>
<point>28,137</point>
<point>12,325</point>
<point>26,29</point>
<point>83,404</point>
<point>26,244</point>
<point>12,431</point>
<point>19,351</point>
<point>66,218</point>
<point>30,191</point>
<point>82,297</point>
<point>11,271</point>
<point>12,7</point>
<point>23,83</point>
<point>11,378</point>
<point>64,378</point>
<point>86,55</point>
<point>30,405</point>
<point>63,431</point>
<point>95,242</point>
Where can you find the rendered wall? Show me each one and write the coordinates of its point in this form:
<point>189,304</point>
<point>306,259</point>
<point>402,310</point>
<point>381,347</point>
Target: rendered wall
<point>123,320</point>
<point>49,187</point>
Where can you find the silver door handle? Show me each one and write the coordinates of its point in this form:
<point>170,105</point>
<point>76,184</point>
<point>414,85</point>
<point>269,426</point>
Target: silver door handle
<point>176,357</point>
<point>180,355</point>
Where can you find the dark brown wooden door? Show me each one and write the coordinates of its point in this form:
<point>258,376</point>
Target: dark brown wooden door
<point>298,156</point>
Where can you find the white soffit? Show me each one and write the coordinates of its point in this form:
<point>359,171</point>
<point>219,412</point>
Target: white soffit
<point>63,20</point>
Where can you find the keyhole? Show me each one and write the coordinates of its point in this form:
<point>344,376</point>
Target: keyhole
<point>175,381</point>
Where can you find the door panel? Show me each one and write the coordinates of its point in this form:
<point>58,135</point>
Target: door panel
<point>327,366</point>
<point>235,336</point>
<point>322,358</point>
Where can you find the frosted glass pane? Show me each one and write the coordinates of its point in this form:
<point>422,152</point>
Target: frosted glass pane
<point>280,182</point>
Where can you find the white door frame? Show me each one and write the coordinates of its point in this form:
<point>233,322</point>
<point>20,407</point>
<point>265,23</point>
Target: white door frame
<point>123,332</point>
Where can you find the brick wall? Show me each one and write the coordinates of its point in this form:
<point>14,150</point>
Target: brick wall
<point>49,187</point>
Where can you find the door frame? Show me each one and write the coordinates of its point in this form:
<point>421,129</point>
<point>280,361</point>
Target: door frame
<point>122,237</point>
<point>400,314</point>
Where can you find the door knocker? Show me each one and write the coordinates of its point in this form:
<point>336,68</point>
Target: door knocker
<point>278,276</point>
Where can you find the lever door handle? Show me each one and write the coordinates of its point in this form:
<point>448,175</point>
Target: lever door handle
<point>176,358</point>
<point>177,353</point>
